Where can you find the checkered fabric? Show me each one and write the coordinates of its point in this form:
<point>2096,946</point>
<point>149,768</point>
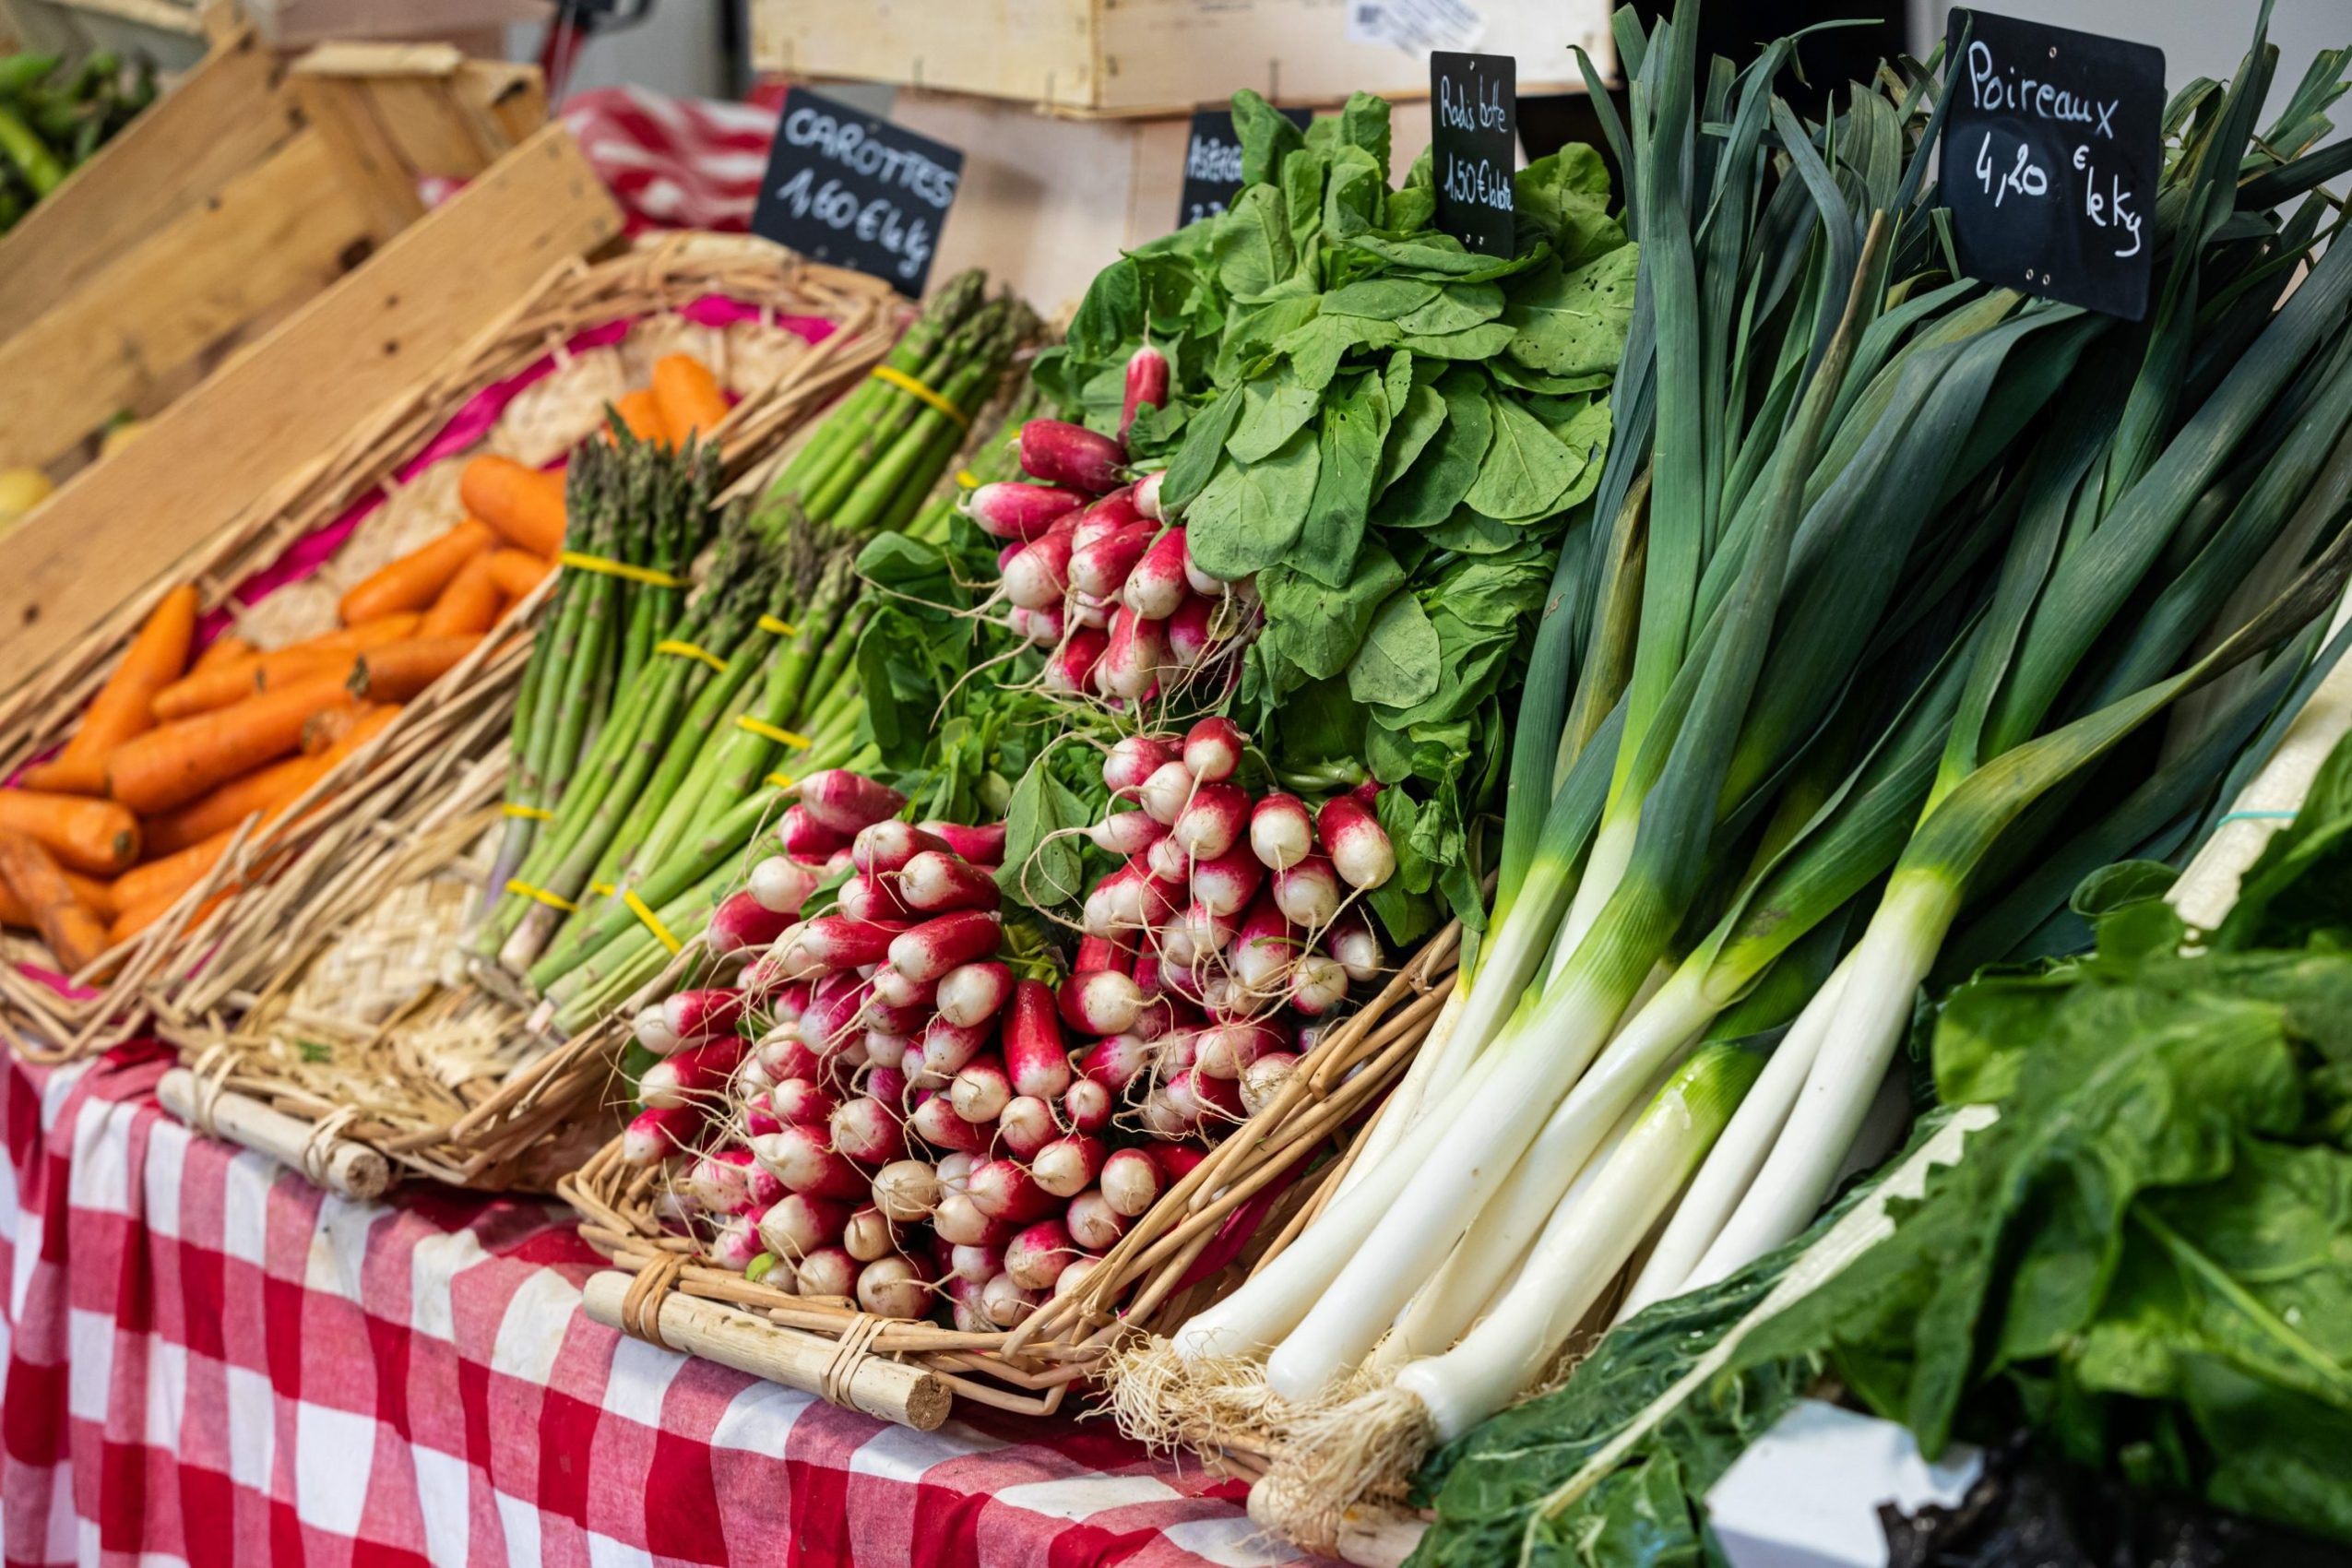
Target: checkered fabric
<point>674,163</point>
<point>211,1361</point>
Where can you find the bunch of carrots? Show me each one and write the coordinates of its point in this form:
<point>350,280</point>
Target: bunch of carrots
<point>182,746</point>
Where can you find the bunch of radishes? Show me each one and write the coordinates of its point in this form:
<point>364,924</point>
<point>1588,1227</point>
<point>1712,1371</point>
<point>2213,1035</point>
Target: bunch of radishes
<point>1091,573</point>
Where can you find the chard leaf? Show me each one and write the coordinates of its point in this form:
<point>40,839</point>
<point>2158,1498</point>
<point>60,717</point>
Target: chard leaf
<point>1041,870</point>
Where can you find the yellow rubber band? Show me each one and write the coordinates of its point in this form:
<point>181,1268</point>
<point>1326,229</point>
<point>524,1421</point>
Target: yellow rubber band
<point>906,382</point>
<point>781,781</point>
<point>542,896</point>
<point>582,562</point>
<point>782,737</point>
<point>602,889</point>
<point>688,650</point>
<point>652,922</point>
<point>781,627</point>
<point>968,478</point>
<point>536,813</point>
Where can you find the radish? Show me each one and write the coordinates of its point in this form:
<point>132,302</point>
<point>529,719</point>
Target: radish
<point>978,1265</point>
<point>1212,821</point>
<point>805,1163</point>
<point>1192,632</point>
<point>782,1056</point>
<point>1213,748</point>
<point>907,1190</point>
<point>1006,1190</point>
<point>1224,885</point>
<point>866,1235</point>
<point>1060,453</point>
<point>957,1221</point>
<point>1093,1223</point>
<point>1197,934</point>
<point>1111,905</point>
<point>1026,1125</point>
<point>1357,946</point>
<point>1131,762</point>
<point>1317,984</point>
<point>651,1029</point>
<point>969,1313</point>
<point>936,1123</point>
<point>1175,1159</point>
<point>981,846</point>
<point>1168,791</point>
<point>867,1131</point>
<point>892,1286</point>
<point>797,1225</point>
<point>1176,1053</point>
<point>981,1091</point>
<point>1103,1003</point>
<point>886,1050</point>
<point>1005,510</point>
<point>830,1025</point>
<point>1262,950</point>
<point>1227,1051</point>
<point>1131,660</point>
<point>1005,1303</point>
<point>781,887</point>
<point>696,1016</point>
<point>733,1246</point>
<point>872,896</point>
<point>799,1102</point>
<point>838,942</point>
<point>1115,1061</point>
<point>887,846</point>
<point>1169,860</point>
<point>887,1085</point>
<point>1039,573</point>
<point>828,1271</point>
<point>1131,1181</point>
<point>946,1048</point>
<point>895,989</point>
<point>1147,385</point>
<point>1100,566</point>
<point>883,1018</point>
<point>928,951</point>
<point>743,923</point>
<point>1203,1101</point>
<point>1035,1059</point>
<point>719,1181</point>
<point>1155,1017</point>
<point>1072,666</point>
<point>1281,833</point>
<point>1359,851</point>
<point>1091,613</point>
<point>1087,1105</point>
<point>1147,495</point>
<point>954,1169</point>
<point>805,837</point>
<point>1263,1078</point>
<point>1067,1166</point>
<point>1128,833</point>
<point>936,884</point>
<point>1072,1278</point>
<point>1307,892</point>
<point>695,1073</point>
<point>1154,588</point>
<point>1225,998</point>
<point>1103,953</point>
<point>847,801</point>
<point>758,1119</point>
<point>1035,1257</point>
<point>970,994</point>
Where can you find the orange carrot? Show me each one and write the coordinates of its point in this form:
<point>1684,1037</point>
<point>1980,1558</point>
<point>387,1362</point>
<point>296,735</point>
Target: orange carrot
<point>516,572</point>
<point>98,896</point>
<point>329,726</point>
<point>71,928</point>
<point>468,604</point>
<point>155,658</point>
<point>397,672</point>
<point>523,504</point>
<point>265,787</point>
<point>226,648</point>
<point>205,690</point>
<point>136,918</point>
<point>89,835</point>
<point>416,579</point>
<point>692,403</point>
<point>172,765</point>
<point>641,411</point>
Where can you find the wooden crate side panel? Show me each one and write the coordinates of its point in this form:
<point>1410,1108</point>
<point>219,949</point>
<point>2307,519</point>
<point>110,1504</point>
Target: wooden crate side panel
<point>285,400</point>
<point>1035,50</point>
<point>228,115</point>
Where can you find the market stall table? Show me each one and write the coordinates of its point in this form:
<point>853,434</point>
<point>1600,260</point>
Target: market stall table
<point>212,1361</point>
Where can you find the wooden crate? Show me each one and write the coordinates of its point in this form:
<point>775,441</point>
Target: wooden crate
<point>246,190</point>
<point>173,32</point>
<point>1151,57</point>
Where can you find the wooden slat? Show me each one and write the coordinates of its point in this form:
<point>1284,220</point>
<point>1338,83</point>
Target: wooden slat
<point>285,229</point>
<point>227,116</point>
<point>120,526</point>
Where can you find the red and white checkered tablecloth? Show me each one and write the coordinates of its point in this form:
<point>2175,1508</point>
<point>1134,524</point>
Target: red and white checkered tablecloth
<point>209,1361</point>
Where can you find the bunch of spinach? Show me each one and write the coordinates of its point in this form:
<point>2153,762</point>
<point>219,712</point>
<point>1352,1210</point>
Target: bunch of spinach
<point>1389,435</point>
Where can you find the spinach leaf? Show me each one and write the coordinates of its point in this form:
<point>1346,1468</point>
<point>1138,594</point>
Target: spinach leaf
<point>1434,485</point>
<point>1574,323</point>
<point>1318,627</point>
<point>1274,409</point>
<point>1197,458</point>
<point>1353,430</point>
<point>1526,469</point>
<point>1248,516</point>
<point>1397,665</point>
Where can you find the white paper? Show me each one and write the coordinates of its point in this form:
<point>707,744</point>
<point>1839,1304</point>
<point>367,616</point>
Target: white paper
<point>1807,1493</point>
<point>1416,27</point>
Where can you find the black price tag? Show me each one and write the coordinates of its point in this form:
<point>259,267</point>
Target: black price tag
<point>2052,151</point>
<point>1474,138</point>
<point>855,191</point>
<point>1213,163</point>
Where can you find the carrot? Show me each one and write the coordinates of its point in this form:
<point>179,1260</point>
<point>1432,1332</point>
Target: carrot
<point>641,411</point>
<point>416,579</point>
<point>399,670</point>
<point>517,572</point>
<point>155,658</point>
<point>98,896</point>
<point>524,504</point>
<point>89,835</point>
<point>468,604</point>
<point>330,726</point>
<point>205,690</point>
<point>226,648</point>
<point>172,765</point>
<point>137,918</point>
<point>692,403</point>
<point>72,930</point>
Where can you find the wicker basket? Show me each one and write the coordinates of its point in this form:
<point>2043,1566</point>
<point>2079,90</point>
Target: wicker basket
<point>311,870</point>
<point>1198,1241</point>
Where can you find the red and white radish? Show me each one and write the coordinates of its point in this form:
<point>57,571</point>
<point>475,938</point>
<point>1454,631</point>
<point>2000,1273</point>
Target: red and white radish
<point>1006,1189</point>
<point>1115,1061</point>
<point>802,1102</point>
<point>1317,984</point>
<point>1226,1051</point>
<point>978,1264</point>
<point>805,1163</point>
<point>806,838</point>
<point>847,801</point>
<point>1263,949</point>
<point>1026,1125</point>
<point>981,1091</point>
<point>867,1131</point>
<point>1354,942</point>
<point>895,989</point>
<point>828,1271</point>
<point>889,845</point>
<point>907,1190</point>
<point>1131,762</point>
<point>867,1235</point>
<point>734,1246</point>
<point>936,1123</point>
<point>970,994</point>
<point>1011,510</point>
<point>1103,1002</point>
<point>928,951</point>
<point>1308,891</point>
<point>695,1074</point>
<point>1167,792</point>
<point>1034,1056</point>
<point>1067,1166</point>
<point>1213,749</point>
<point>780,885</point>
<point>958,1222</point>
<point>1071,669</point>
<point>743,923</point>
<point>1039,573</point>
<point>1100,566</point>
<point>797,1225</point>
<point>936,884</point>
<point>1281,833</point>
<point>1212,821</point>
<point>1087,1104</point>
<point>1147,385</point>
<point>1354,839</point>
<point>1132,658</point>
<point>1192,632</point>
<point>1155,587</point>
<point>1131,1181</point>
<point>983,846</point>
<point>873,897</point>
<point>1006,1303</point>
<point>1147,494</point>
<point>1061,453</point>
<point>1035,1257</point>
<point>1093,1223</point>
<point>892,1286</point>
<point>1128,833</point>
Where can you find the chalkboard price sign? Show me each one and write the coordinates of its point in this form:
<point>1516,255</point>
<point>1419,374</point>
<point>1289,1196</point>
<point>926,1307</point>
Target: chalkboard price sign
<point>2052,151</point>
<point>1213,163</point>
<point>1474,139</point>
<point>856,191</point>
